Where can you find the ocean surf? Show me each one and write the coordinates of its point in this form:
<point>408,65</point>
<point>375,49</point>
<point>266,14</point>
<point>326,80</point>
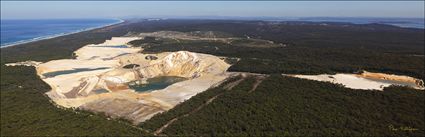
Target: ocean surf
<point>14,32</point>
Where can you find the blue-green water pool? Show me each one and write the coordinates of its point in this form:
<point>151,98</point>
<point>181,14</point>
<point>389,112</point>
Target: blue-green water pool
<point>156,83</point>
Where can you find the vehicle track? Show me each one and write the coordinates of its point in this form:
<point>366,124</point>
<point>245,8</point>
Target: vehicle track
<point>228,87</point>
<point>258,81</point>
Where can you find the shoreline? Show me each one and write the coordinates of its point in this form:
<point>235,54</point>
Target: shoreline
<point>59,35</point>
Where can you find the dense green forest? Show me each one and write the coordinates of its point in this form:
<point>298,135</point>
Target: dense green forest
<point>295,59</point>
<point>310,48</point>
<point>279,106</point>
<point>285,106</point>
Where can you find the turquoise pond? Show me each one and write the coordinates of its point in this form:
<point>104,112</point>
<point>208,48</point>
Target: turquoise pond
<point>156,83</point>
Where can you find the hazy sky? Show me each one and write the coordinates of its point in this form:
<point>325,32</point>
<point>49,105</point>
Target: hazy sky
<point>113,9</point>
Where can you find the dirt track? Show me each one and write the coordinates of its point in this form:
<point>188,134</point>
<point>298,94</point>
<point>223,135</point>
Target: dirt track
<point>227,88</point>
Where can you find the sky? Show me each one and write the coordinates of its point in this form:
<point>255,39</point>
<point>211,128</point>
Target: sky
<point>129,9</point>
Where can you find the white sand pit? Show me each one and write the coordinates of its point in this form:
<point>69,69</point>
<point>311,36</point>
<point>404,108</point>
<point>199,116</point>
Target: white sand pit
<point>366,80</point>
<point>98,78</point>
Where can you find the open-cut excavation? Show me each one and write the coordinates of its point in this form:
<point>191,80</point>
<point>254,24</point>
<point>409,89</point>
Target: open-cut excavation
<point>101,77</point>
<point>110,67</point>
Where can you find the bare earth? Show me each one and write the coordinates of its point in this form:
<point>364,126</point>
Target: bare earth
<point>366,80</point>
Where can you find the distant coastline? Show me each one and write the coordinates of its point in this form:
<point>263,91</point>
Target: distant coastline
<point>58,35</point>
<point>416,23</point>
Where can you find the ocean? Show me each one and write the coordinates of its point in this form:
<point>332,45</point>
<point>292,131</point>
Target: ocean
<point>22,31</point>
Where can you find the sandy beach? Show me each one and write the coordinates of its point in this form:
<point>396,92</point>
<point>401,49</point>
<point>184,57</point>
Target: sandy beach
<point>59,35</point>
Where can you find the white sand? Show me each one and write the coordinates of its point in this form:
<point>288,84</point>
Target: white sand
<point>24,63</point>
<point>353,81</point>
<point>88,57</point>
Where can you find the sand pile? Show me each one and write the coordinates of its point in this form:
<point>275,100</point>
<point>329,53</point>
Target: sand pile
<point>391,77</point>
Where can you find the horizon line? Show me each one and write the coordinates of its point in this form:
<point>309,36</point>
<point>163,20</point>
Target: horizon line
<point>218,17</point>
